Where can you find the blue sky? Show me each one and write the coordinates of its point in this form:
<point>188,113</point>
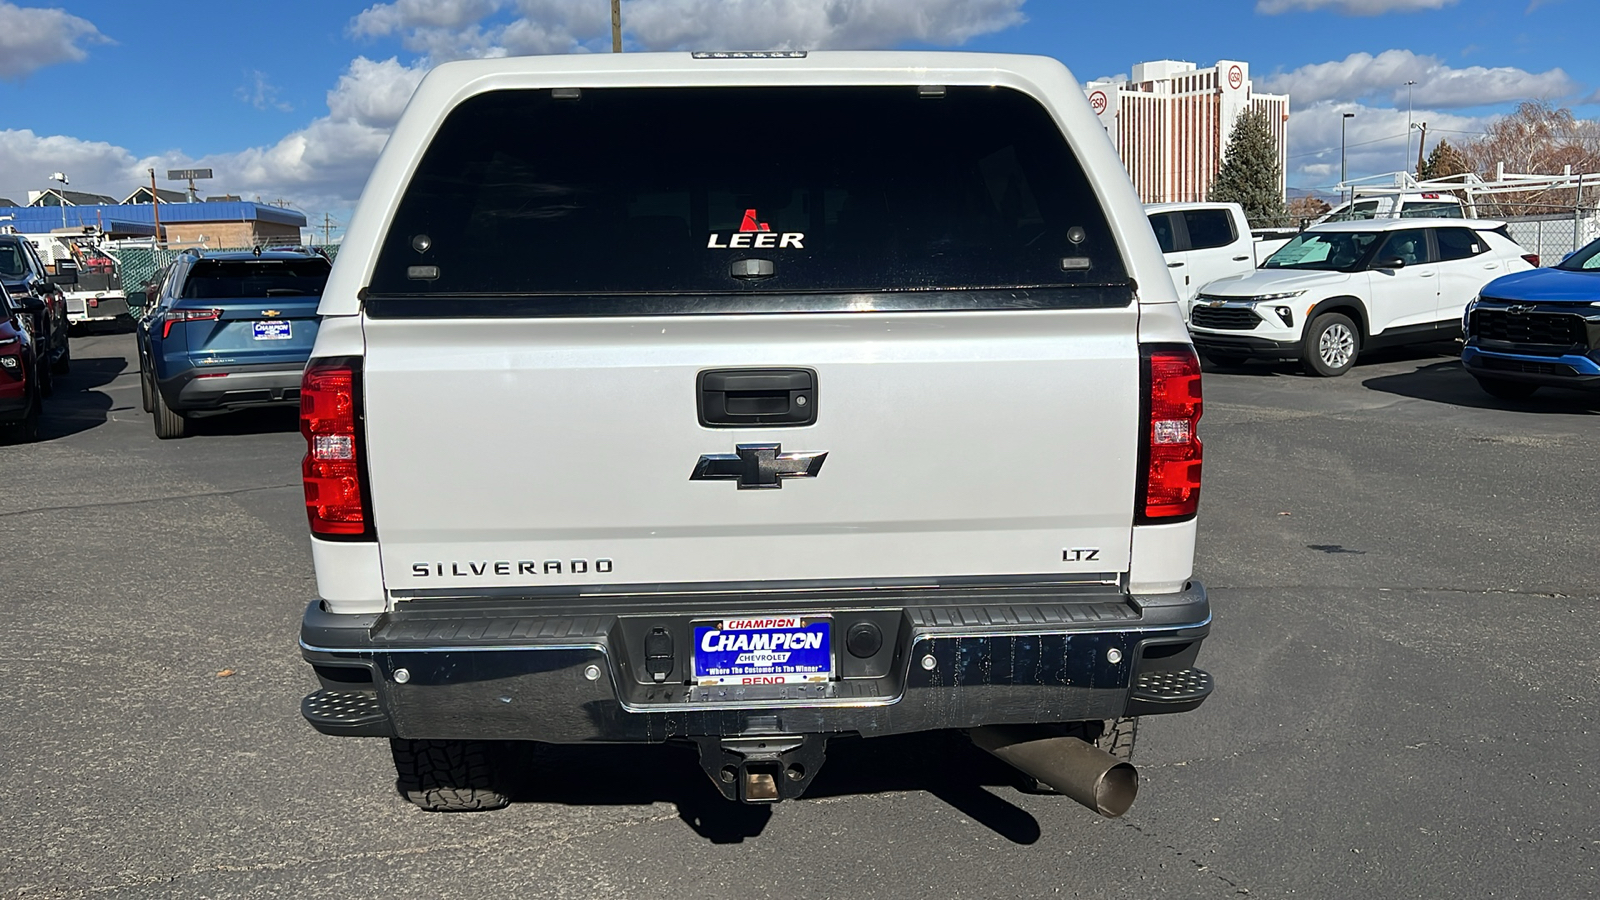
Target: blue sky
<point>293,99</point>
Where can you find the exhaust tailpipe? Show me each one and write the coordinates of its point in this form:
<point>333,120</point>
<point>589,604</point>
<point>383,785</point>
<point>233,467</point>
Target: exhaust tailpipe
<point>1077,769</point>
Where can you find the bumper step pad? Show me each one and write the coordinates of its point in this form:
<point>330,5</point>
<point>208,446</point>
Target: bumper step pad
<point>351,713</point>
<point>1169,691</point>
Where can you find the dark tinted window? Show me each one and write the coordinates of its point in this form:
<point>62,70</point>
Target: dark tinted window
<point>1459,243</point>
<point>1209,228</point>
<point>1163,225</point>
<point>1432,210</point>
<point>1410,245</point>
<point>12,263</point>
<point>660,191</point>
<point>226,279</point>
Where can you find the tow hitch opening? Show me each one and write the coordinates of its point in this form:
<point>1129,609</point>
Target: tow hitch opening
<point>764,768</point>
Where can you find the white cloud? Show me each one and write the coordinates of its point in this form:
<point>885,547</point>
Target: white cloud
<point>27,159</point>
<point>260,92</point>
<point>323,165</point>
<point>1350,7</point>
<point>468,28</point>
<point>1364,76</point>
<point>31,39</point>
<point>1374,141</point>
<point>802,25</point>
<point>383,19</point>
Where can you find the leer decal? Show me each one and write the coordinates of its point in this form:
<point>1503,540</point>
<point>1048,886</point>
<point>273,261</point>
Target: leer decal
<point>756,234</point>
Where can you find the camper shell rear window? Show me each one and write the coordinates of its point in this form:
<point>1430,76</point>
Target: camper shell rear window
<point>696,193</point>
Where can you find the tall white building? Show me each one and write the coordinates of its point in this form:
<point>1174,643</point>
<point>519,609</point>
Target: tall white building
<point>1171,123</point>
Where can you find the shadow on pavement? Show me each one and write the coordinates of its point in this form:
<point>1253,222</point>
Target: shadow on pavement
<point>944,764</point>
<point>1367,358</point>
<point>76,406</point>
<point>265,420</point>
<point>1448,382</point>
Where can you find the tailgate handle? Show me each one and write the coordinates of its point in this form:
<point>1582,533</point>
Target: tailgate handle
<point>750,398</point>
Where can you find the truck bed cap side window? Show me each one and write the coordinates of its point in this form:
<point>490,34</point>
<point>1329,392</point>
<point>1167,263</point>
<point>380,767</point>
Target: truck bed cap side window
<point>660,191</point>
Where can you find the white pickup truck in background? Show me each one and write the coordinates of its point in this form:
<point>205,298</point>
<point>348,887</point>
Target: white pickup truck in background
<point>1203,242</point>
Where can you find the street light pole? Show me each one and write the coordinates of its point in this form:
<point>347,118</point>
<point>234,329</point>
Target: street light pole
<point>1342,176</point>
<point>61,177</point>
<point>1409,86</point>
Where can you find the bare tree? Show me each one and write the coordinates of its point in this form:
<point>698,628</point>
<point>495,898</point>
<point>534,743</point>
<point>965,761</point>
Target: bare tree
<point>1537,139</point>
<point>1307,207</point>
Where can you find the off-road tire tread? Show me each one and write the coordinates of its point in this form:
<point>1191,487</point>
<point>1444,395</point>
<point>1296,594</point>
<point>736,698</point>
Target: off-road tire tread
<point>448,776</point>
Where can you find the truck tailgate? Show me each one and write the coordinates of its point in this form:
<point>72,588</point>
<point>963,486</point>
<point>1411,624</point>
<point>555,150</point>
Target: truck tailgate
<point>517,453</point>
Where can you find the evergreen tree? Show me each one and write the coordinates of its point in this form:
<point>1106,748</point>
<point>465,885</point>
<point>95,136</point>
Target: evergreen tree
<point>1443,162</point>
<point>1250,174</point>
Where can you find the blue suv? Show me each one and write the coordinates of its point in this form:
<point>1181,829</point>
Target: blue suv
<point>227,331</point>
<point>1537,329</point>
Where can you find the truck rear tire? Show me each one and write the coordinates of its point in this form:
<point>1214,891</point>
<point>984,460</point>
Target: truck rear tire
<point>169,422</point>
<point>63,363</point>
<point>448,776</point>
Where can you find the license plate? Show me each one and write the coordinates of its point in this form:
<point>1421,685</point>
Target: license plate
<point>764,650</point>
<point>272,331</point>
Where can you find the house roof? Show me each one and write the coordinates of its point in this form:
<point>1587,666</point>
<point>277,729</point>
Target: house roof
<point>141,194</point>
<point>72,198</point>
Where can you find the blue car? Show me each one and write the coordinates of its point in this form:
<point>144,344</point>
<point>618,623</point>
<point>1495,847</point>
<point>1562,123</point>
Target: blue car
<point>1537,329</point>
<point>228,331</point>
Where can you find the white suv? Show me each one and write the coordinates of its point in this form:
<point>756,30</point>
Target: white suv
<point>745,401</point>
<point>1343,287</point>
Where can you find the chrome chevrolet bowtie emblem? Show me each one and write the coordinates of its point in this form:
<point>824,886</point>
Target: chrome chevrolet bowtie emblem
<point>758,466</point>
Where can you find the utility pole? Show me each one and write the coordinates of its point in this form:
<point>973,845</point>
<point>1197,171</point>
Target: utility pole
<point>1420,144</point>
<point>155,205</point>
<point>1342,176</point>
<point>1409,86</point>
<point>327,229</point>
<point>616,26</point>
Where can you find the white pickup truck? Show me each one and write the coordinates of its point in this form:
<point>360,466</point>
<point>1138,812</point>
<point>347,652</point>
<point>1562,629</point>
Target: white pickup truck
<point>1203,242</point>
<point>747,400</point>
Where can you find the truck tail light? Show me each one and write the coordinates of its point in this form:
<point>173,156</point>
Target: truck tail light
<point>1532,259</point>
<point>334,470</point>
<point>1169,451</point>
<point>175,316</point>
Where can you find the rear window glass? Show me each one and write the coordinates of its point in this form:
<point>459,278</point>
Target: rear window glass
<point>1424,210</point>
<point>218,279</point>
<point>1458,243</point>
<point>663,191</point>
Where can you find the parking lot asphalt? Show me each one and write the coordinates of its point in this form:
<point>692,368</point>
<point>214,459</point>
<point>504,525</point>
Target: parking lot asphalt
<point>1407,650</point>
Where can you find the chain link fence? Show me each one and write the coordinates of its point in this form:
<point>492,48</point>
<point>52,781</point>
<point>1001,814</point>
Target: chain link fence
<point>136,266</point>
<point>1555,235</point>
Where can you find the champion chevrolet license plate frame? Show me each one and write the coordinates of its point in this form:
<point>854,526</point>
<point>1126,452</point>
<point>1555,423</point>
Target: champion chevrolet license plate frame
<point>806,648</point>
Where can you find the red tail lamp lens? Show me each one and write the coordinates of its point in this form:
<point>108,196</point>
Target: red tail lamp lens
<point>1172,448</point>
<point>333,471</point>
